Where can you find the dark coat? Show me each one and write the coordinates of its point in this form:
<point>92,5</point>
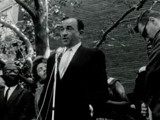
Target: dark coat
<point>20,105</point>
<point>84,83</point>
<point>153,69</point>
<point>152,82</point>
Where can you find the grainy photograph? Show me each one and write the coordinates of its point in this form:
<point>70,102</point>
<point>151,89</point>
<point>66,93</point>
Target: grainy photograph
<point>79,60</point>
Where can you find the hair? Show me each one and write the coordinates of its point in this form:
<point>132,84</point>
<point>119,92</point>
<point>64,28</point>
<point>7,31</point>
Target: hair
<point>2,64</point>
<point>36,62</point>
<point>80,24</point>
<point>144,17</point>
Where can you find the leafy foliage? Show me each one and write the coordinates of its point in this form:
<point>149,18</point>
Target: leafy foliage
<point>13,49</point>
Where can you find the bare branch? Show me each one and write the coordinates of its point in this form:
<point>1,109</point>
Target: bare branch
<point>140,4</point>
<point>20,34</point>
<point>8,7</point>
<point>129,20</point>
<point>27,8</point>
<point>154,3</point>
<point>137,7</point>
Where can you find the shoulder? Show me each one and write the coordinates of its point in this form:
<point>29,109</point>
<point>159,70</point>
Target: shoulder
<point>58,51</point>
<point>111,81</point>
<point>142,69</point>
<point>92,51</point>
<point>51,57</point>
<point>24,90</point>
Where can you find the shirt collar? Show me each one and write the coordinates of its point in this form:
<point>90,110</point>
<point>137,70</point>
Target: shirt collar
<point>13,87</point>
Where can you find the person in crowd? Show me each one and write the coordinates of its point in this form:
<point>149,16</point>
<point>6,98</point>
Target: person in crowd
<point>39,72</point>
<point>16,103</point>
<point>76,77</point>
<point>148,25</point>
<point>118,105</point>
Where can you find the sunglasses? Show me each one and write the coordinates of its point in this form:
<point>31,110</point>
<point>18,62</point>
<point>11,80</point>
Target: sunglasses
<point>11,71</point>
<point>144,32</point>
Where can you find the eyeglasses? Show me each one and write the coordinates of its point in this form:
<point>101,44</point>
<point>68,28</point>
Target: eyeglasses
<point>11,71</point>
<point>144,32</point>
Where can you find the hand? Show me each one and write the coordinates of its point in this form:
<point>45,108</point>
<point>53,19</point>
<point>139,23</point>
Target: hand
<point>144,109</point>
<point>132,106</point>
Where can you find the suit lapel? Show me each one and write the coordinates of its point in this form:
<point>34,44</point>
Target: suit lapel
<point>15,94</point>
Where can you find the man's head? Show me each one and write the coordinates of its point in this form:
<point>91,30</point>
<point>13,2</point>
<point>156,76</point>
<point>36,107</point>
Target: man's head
<point>71,31</point>
<point>148,24</point>
<point>10,74</point>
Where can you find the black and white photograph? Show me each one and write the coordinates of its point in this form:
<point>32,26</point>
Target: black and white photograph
<point>79,60</point>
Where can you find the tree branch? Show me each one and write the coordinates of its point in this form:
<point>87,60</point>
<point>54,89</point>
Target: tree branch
<point>37,4</point>
<point>20,34</point>
<point>137,7</point>
<point>154,3</point>
<point>27,8</point>
<point>128,20</point>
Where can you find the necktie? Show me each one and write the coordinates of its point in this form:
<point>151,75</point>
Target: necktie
<point>6,95</point>
<point>64,62</point>
<point>59,59</point>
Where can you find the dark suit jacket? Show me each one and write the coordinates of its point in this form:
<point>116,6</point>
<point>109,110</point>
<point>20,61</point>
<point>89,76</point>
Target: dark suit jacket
<point>84,83</point>
<point>152,81</point>
<point>20,105</point>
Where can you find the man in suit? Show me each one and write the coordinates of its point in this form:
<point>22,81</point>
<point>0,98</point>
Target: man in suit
<point>148,25</point>
<point>78,81</point>
<point>16,103</point>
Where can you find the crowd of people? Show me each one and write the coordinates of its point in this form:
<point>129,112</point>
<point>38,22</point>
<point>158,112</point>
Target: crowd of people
<point>73,83</point>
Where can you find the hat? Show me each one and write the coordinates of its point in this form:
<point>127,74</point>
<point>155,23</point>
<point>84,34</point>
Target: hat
<point>10,66</point>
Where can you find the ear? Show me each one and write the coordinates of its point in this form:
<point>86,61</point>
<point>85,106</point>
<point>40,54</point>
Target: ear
<point>81,32</point>
<point>153,20</point>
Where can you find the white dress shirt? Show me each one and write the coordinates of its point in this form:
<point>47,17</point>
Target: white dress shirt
<point>66,58</point>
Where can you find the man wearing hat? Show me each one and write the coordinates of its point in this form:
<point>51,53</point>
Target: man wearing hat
<point>148,25</point>
<point>16,103</point>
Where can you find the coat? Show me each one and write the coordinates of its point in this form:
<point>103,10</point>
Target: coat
<point>84,83</point>
<point>20,105</point>
<point>152,81</point>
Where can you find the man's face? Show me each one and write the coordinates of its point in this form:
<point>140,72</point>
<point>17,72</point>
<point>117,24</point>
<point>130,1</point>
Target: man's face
<point>69,32</point>
<point>149,30</point>
<point>10,77</point>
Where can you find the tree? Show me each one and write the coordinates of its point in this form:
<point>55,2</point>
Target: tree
<point>39,15</point>
<point>135,7</point>
<point>34,26</point>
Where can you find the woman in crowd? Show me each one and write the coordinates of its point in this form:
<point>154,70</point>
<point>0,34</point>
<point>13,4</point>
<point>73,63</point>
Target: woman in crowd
<point>39,75</point>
